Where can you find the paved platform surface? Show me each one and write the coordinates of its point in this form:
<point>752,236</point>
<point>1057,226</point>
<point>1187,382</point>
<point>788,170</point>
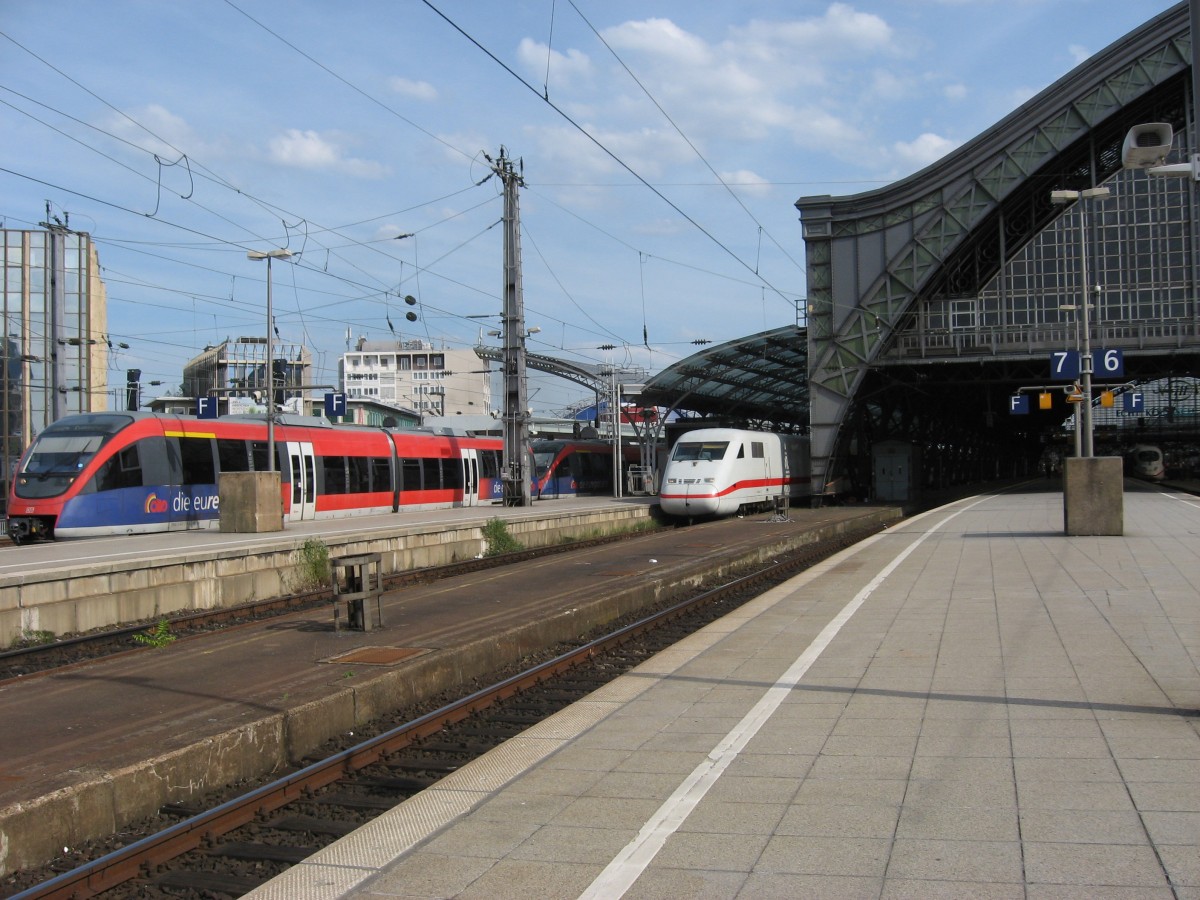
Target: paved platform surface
<point>86,749</point>
<point>971,704</point>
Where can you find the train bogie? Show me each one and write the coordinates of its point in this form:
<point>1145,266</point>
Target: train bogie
<point>715,472</point>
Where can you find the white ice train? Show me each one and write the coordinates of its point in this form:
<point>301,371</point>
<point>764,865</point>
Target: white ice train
<point>719,471</point>
<point>1147,462</point>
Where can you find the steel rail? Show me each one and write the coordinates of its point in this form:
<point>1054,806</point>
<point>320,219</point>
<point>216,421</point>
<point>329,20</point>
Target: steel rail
<point>113,869</point>
<point>205,619</point>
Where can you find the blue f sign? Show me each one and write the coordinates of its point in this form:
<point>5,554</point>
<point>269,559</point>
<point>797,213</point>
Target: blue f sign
<point>335,405</point>
<point>1018,405</point>
<point>1135,401</point>
<point>206,407</point>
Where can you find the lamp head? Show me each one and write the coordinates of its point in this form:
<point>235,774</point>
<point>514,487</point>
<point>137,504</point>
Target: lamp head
<point>1146,145</point>
<point>269,254</point>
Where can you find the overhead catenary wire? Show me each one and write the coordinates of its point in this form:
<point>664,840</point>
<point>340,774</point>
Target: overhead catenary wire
<point>645,90</point>
<point>604,149</point>
<point>217,179</point>
<point>315,260</point>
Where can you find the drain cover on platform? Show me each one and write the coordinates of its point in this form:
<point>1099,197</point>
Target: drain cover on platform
<point>377,656</point>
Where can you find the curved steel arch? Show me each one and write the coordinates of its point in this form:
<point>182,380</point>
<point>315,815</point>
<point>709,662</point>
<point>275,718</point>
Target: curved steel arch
<point>873,256</point>
<point>594,377</point>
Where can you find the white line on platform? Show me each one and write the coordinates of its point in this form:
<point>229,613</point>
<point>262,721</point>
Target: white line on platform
<point>628,865</point>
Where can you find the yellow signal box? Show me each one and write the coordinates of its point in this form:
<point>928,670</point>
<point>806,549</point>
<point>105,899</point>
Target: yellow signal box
<point>1106,398</point>
<point>1045,400</point>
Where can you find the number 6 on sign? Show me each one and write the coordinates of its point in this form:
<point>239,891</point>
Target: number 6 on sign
<point>1112,363</point>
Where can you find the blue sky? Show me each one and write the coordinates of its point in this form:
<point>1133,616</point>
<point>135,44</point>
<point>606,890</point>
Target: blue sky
<point>663,143</point>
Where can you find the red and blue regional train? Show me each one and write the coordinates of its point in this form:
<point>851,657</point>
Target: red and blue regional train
<point>566,468</point>
<point>134,472</point>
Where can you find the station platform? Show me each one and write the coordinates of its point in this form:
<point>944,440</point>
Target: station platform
<point>87,749</point>
<point>970,704</point>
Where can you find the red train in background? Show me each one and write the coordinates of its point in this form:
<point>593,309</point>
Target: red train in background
<point>133,472</point>
<point>564,468</point>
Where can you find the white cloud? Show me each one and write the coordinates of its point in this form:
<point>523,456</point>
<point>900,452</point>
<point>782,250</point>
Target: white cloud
<point>660,38</point>
<point>162,132</point>
<point>564,68</point>
<point>312,150</point>
<point>648,151</point>
<point>1078,53</point>
<point>841,32</point>
<point>819,129</point>
<point>955,91</point>
<point>926,149</point>
<point>887,85</point>
<point>796,78</point>
<point>417,90</point>
<point>744,181</point>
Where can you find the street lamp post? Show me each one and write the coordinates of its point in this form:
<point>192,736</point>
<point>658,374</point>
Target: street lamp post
<point>1072,309</point>
<point>1085,351</point>
<point>269,255</point>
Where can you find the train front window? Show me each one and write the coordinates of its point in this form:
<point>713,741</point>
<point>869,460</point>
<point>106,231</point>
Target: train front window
<point>705,450</point>
<point>55,460</point>
<point>542,460</point>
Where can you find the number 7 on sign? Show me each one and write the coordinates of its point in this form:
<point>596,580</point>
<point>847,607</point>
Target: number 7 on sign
<point>1064,365</point>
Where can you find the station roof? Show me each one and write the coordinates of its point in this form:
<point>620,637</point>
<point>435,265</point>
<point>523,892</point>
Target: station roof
<point>761,378</point>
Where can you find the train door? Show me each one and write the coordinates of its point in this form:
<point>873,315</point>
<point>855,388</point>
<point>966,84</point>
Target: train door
<point>760,469</point>
<point>302,466</point>
<point>470,480</point>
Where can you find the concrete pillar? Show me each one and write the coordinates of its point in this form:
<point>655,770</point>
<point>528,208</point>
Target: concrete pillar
<point>1093,498</point>
<point>250,502</point>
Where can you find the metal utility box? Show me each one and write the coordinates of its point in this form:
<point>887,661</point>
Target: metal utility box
<point>896,468</point>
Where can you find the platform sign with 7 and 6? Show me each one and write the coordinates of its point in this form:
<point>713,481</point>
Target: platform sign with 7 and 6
<point>1064,364</point>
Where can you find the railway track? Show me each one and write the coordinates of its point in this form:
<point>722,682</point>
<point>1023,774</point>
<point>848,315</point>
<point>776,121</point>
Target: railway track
<point>35,659</point>
<point>235,845</point>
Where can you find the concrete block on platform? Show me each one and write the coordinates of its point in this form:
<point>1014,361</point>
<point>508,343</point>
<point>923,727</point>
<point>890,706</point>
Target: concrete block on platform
<point>1093,499</point>
<point>250,502</point>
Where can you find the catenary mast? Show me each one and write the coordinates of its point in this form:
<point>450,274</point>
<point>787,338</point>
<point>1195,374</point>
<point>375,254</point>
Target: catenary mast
<point>516,412</point>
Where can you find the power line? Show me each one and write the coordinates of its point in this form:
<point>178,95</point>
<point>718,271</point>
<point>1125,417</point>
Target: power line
<point>605,150</point>
<point>686,139</point>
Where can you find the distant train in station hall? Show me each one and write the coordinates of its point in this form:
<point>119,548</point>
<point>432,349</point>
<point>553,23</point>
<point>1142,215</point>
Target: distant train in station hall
<point>1147,461</point>
<point>137,473</point>
<point>723,471</point>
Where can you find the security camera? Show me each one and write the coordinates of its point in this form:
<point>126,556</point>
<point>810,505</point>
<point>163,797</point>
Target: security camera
<point>1146,145</point>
